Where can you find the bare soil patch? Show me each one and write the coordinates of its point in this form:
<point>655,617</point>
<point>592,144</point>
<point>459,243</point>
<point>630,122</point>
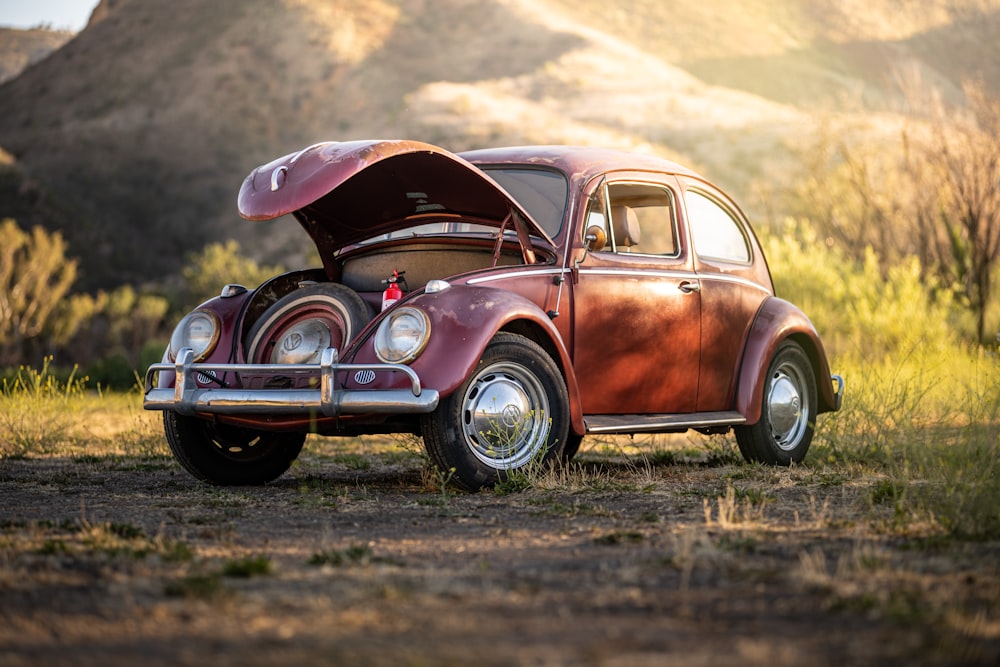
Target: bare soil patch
<point>365,558</point>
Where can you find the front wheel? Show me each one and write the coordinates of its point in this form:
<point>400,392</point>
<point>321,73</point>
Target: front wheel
<point>512,411</point>
<point>785,429</point>
<point>229,455</point>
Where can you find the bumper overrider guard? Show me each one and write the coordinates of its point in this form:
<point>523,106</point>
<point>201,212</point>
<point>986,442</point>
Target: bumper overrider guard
<point>838,393</point>
<point>187,398</point>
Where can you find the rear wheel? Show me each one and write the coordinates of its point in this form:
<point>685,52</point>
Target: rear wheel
<point>785,429</point>
<point>229,455</point>
<point>511,412</point>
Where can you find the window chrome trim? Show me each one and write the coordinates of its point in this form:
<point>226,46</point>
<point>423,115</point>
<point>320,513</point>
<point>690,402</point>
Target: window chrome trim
<point>516,274</point>
<point>672,195</point>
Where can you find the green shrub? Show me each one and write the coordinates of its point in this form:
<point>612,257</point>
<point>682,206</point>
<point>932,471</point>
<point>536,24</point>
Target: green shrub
<point>217,265</point>
<point>244,568</point>
<point>35,274</point>
<point>859,308</point>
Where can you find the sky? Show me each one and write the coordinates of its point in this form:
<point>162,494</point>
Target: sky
<point>56,14</point>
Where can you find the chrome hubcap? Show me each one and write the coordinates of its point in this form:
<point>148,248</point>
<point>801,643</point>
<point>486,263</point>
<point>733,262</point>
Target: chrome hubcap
<point>302,343</point>
<point>787,407</point>
<point>505,416</point>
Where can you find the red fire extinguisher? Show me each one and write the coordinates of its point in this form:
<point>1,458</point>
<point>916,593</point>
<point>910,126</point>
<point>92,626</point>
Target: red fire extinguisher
<point>392,292</point>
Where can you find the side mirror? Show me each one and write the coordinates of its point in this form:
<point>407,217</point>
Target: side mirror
<point>596,238</point>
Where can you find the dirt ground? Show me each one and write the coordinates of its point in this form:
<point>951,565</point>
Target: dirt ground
<point>366,559</point>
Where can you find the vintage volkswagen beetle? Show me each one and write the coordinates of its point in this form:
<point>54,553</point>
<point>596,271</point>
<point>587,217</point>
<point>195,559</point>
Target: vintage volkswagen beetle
<point>501,303</point>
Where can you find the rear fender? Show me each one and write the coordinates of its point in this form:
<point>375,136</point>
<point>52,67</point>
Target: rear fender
<point>777,321</point>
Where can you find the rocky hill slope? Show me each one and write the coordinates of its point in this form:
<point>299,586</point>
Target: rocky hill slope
<point>134,136</point>
<point>21,48</point>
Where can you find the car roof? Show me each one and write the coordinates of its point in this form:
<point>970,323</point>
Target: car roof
<point>578,162</point>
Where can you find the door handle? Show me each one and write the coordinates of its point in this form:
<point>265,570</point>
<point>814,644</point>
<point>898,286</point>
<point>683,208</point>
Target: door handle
<point>688,287</point>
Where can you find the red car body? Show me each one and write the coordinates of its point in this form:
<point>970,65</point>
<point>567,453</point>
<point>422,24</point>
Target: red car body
<point>641,284</point>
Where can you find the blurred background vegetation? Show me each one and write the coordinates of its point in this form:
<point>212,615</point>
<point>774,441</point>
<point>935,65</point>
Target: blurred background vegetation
<point>861,137</point>
<point>108,336</point>
<point>889,248</point>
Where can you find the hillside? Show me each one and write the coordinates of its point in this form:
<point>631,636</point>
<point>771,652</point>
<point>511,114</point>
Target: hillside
<point>20,48</point>
<point>134,136</point>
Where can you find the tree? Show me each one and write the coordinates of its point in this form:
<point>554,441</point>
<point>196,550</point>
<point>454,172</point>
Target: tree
<point>217,265</point>
<point>856,193</point>
<point>956,165</point>
<point>936,196</point>
<point>35,275</point>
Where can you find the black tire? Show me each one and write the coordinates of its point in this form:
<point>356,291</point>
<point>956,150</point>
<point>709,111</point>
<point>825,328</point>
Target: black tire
<point>785,429</point>
<point>338,309</point>
<point>229,455</point>
<point>573,442</point>
<point>513,411</point>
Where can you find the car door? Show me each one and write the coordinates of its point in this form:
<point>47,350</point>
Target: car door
<point>636,314</point>
<point>734,281</point>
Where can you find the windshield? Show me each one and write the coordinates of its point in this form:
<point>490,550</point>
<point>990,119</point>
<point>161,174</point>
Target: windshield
<point>542,193</point>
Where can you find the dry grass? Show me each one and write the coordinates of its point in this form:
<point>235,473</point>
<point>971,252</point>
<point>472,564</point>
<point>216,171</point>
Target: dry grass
<point>41,415</point>
<point>886,538</point>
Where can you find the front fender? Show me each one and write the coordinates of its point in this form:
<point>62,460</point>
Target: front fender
<point>464,318</point>
<point>777,321</point>
<point>228,310</point>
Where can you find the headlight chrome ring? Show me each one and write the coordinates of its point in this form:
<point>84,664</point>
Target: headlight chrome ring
<point>198,330</point>
<point>402,335</point>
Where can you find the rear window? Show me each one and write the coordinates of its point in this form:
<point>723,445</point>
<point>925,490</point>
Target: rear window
<point>717,234</point>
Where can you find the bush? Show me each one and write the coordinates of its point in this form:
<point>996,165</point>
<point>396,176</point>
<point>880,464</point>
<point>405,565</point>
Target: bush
<point>118,371</point>
<point>860,307</point>
<point>35,275</point>
<point>217,265</point>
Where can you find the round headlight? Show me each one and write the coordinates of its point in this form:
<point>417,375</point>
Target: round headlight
<point>402,335</point>
<point>301,343</point>
<point>199,331</point>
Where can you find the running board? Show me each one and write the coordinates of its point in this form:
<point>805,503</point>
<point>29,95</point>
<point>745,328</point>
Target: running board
<point>661,423</point>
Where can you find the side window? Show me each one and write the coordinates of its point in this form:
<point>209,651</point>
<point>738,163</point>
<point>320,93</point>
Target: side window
<point>642,219</point>
<point>717,235</point>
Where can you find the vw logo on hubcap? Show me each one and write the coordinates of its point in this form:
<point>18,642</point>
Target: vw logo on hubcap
<point>511,416</point>
<point>292,341</point>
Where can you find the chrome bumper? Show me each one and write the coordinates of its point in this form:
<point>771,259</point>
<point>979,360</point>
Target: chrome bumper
<point>838,393</point>
<point>187,398</point>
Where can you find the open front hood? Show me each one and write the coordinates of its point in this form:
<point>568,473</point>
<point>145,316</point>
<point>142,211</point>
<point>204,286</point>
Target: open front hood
<point>346,192</point>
